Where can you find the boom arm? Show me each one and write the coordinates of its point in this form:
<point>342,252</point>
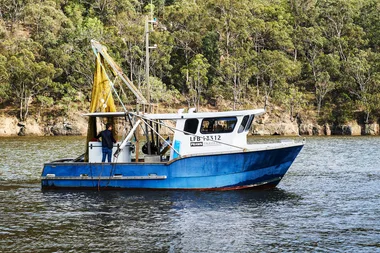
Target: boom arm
<point>99,48</point>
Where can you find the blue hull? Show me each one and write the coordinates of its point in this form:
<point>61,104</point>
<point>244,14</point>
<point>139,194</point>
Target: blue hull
<point>208,172</point>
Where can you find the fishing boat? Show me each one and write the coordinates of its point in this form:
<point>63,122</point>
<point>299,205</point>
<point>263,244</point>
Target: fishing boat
<point>205,150</point>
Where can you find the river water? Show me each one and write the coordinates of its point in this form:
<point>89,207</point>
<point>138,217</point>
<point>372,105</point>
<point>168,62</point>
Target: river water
<point>329,201</point>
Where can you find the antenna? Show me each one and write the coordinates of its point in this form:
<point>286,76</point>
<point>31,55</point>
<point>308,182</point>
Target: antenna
<point>151,9</point>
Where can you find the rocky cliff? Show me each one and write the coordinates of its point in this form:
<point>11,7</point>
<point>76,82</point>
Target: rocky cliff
<point>73,125</point>
<point>267,124</point>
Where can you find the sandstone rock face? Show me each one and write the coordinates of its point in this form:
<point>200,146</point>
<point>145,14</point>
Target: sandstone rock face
<point>306,129</point>
<point>371,129</point>
<point>326,129</point>
<point>265,125</point>
<point>275,124</point>
<point>8,126</point>
<point>311,129</point>
<point>349,129</point>
<point>75,125</point>
<point>11,126</point>
<point>261,130</point>
<point>283,127</point>
<point>356,129</point>
<point>32,127</point>
<point>64,129</point>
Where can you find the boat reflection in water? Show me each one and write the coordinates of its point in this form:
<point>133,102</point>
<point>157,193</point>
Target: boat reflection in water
<point>150,221</point>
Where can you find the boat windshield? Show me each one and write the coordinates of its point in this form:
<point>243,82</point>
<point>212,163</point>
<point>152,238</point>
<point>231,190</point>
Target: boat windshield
<point>218,125</point>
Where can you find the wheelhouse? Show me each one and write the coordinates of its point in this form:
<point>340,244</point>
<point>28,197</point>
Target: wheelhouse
<point>194,133</point>
<point>209,132</point>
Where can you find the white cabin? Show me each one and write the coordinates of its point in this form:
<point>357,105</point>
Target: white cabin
<point>208,132</point>
<point>194,133</point>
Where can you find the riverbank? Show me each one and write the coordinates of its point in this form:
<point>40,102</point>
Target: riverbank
<point>271,123</point>
<point>74,124</point>
<point>287,127</point>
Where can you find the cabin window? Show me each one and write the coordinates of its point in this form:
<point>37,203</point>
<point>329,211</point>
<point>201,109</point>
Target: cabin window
<point>249,122</point>
<point>243,123</point>
<point>191,126</point>
<point>218,125</point>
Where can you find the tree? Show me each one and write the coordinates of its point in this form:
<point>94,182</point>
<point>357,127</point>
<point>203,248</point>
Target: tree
<point>363,77</point>
<point>4,79</point>
<point>28,78</point>
<point>324,67</point>
<point>45,22</point>
<point>11,11</point>
<point>211,51</point>
<point>234,24</point>
<point>323,85</point>
<point>293,99</point>
<point>369,21</point>
<point>160,93</point>
<point>186,21</point>
<point>337,21</point>
<point>275,69</point>
<point>197,78</point>
<point>131,25</point>
<point>237,71</point>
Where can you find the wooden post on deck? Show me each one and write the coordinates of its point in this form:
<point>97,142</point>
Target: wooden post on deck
<point>137,148</point>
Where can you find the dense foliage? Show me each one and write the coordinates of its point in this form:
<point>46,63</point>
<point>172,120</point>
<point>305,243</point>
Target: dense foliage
<point>314,56</point>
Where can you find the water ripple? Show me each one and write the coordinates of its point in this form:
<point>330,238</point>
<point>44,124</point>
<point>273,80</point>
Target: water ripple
<point>328,202</point>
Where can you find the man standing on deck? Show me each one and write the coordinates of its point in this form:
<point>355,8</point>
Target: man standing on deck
<point>107,142</point>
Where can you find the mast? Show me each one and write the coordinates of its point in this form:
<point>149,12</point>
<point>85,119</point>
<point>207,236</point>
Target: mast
<point>147,61</point>
<point>147,47</point>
